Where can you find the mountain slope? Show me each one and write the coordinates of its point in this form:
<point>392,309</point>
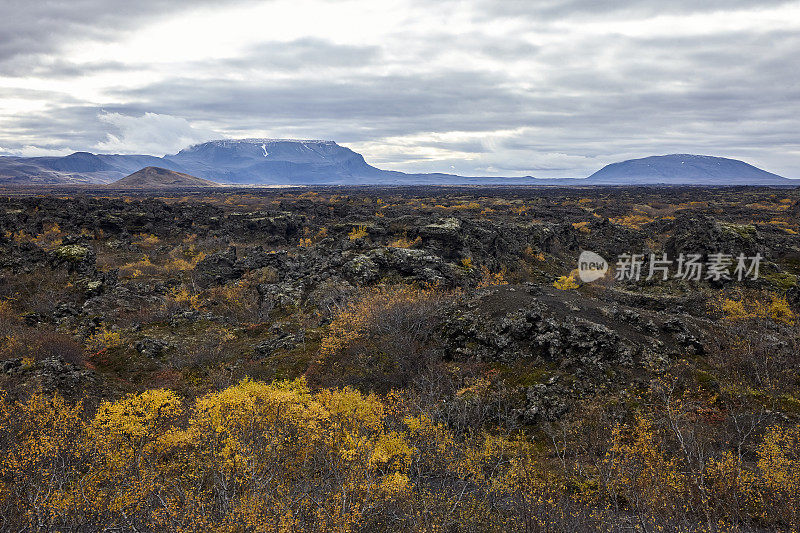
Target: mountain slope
<point>23,171</point>
<point>684,169</point>
<point>160,178</point>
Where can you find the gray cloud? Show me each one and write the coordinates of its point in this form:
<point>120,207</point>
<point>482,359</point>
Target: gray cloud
<point>560,9</point>
<point>32,31</point>
<point>303,53</point>
<point>363,98</point>
<point>532,102</point>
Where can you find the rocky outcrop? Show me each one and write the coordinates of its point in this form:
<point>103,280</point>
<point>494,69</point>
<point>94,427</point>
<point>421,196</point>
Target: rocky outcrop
<point>701,234</point>
<point>280,339</point>
<point>572,343</point>
<point>256,257</point>
<point>580,344</point>
<point>793,298</point>
<point>545,402</point>
<point>217,269</point>
<point>152,347</point>
<point>21,257</point>
<point>50,375</point>
<point>270,227</point>
<point>75,257</point>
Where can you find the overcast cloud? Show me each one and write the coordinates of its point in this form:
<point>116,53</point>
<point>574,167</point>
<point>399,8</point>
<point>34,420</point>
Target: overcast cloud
<point>547,88</point>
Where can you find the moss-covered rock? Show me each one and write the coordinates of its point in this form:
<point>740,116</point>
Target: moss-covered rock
<point>72,252</point>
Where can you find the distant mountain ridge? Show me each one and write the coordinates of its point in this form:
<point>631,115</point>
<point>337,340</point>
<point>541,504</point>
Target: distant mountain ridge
<point>76,168</point>
<point>318,162</point>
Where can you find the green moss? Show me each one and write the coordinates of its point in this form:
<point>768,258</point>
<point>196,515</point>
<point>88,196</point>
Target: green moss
<point>789,404</point>
<point>785,403</point>
<point>446,224</point>
<point>791,264</point>
<point>706,381</point>
<point>780,280</point>
<point>526,374</point>
<point>72,252</point>
<point>293,363</point>
<point>745,231</point>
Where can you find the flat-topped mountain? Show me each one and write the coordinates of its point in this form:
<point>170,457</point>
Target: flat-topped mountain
<point>684,169</point>
<point>276,161</point>
<point>160,178</point>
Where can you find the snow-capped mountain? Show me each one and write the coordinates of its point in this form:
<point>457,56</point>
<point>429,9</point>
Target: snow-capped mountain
<point>275,161</point>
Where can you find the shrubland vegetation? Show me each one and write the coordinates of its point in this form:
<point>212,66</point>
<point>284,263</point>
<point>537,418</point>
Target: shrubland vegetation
<point>396,360</point>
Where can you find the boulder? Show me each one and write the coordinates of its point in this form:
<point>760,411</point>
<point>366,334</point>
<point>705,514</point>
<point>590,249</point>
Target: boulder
<point>701,234</point>
<point>793,298</point>
<point>151,347</point>
<point>217,269</point>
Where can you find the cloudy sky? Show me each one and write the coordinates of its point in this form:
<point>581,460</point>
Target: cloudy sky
<point>478,87</point>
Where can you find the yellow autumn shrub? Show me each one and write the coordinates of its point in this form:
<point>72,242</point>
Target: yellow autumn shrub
<point>772,307</point>
<point>381,338</point>
<point>778,482</point>
<point>276,456</point>
<point>642,473</point>
<point>492,279</point>
<point>565,283</point>
<point>358,232</point>
<point>41,465</point>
